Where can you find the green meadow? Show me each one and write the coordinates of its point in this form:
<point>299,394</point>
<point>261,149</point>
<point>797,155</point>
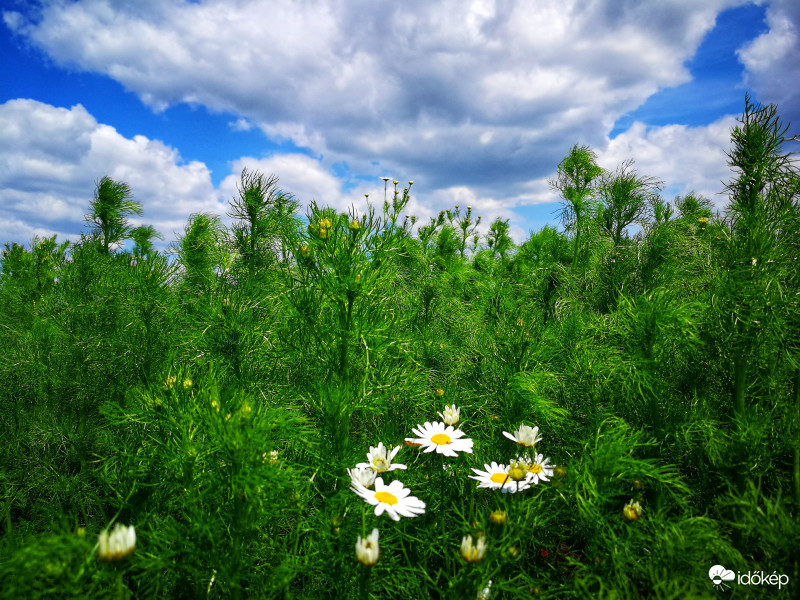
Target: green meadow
<point>610,409</point>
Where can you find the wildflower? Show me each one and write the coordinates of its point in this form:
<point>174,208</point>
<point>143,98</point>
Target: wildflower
<point>273,457</point>
<point>632,511</point>
<point>525,436</point>
<point>484,593</point>
<point>118,545</point>
<point>637,484</point>
<point>187,383</point>
<point>393,499</point>
<point>445,440</point>
<point>355,225</point>
<point>498,517</point>
<point>385,179</point>
<point>394,181</point>
<point>410,183</point>
<point>215,405</point>
<point>539,469</point>
<point>439,392</point>
<point>364,476</point>
<point>496,477</point>
<point>473,553</point>
<point>379,460</point>
<point>451,414</point>
<point>367,550</point>
<point>170,381</point>
<point>246,409</point>
<point>518,470</point>
<point>305,251</point>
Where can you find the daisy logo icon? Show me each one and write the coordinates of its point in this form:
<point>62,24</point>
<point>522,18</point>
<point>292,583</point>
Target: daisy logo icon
<point>719,575</point>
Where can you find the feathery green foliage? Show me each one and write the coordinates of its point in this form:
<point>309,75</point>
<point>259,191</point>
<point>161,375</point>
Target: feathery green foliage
<point>215,399</point>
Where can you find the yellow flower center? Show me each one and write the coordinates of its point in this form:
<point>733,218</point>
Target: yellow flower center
<point>498,478</point>
<point>386,497</point>
<point>441,439</point>
<point>535,469</point>
<point>380,465</point>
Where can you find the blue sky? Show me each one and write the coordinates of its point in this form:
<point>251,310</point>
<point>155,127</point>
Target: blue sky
<point>477,102</point>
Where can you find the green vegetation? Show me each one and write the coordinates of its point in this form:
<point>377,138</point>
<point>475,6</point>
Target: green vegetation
<point>215,400</point>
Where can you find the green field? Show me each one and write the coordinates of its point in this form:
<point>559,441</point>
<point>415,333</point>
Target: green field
<point>214,395</point>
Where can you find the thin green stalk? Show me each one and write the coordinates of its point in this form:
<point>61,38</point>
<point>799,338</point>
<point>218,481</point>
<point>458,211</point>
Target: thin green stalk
<point>364,582</point>
<point>740,382</point>
<point>797,450</point>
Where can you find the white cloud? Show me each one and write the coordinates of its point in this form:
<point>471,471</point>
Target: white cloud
<point>477,97</point>
<point>687,159</point>
<point>414,86</point>
<point>51,159</point>
<point>772,61</point>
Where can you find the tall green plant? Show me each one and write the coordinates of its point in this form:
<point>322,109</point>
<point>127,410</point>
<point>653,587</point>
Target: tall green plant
<point>108,212</point>
<point>575,181</point>
<point>759,252</point>
<point>261,210</point>
<point>626,198</point>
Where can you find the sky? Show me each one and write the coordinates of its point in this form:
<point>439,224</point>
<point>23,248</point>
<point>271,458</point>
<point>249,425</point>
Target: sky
<point>476,101</point>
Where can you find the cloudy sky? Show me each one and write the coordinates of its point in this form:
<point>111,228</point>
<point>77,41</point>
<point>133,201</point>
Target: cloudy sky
<point>476,101</point>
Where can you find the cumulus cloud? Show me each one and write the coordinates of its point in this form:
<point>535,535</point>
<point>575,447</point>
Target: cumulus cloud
<point>452,93</point>
<point>686,159</point>
<point>51,159</point>
<point>477,98</point>
<point>772,61</point>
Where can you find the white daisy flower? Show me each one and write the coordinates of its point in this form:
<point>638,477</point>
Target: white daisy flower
<point>363,475</point>
<point>393,499</point>
<point>485,592</point>
<point>451,414</point>
<point>379,460</point>
<point>539,470</point>
<point>525,436</point>
<point>119,544</point>
<point>496,477</point>
<point>367,550</point>
<point>444,439</point>
<point>473,553</point>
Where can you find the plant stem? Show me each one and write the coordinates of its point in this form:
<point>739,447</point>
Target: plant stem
<point>740,382</point>
<point>365,578</point>
<point>797,450</point>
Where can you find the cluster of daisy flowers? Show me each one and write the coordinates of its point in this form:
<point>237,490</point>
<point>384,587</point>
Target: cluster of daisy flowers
<point>395,499</point>
<point>523,471</point>
<point>527,469</point>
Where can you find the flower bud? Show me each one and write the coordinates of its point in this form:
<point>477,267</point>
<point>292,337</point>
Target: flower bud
<point>632,510</point>
<point>498,517</point>
<point>367,550</point>
<point>119,544</point>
